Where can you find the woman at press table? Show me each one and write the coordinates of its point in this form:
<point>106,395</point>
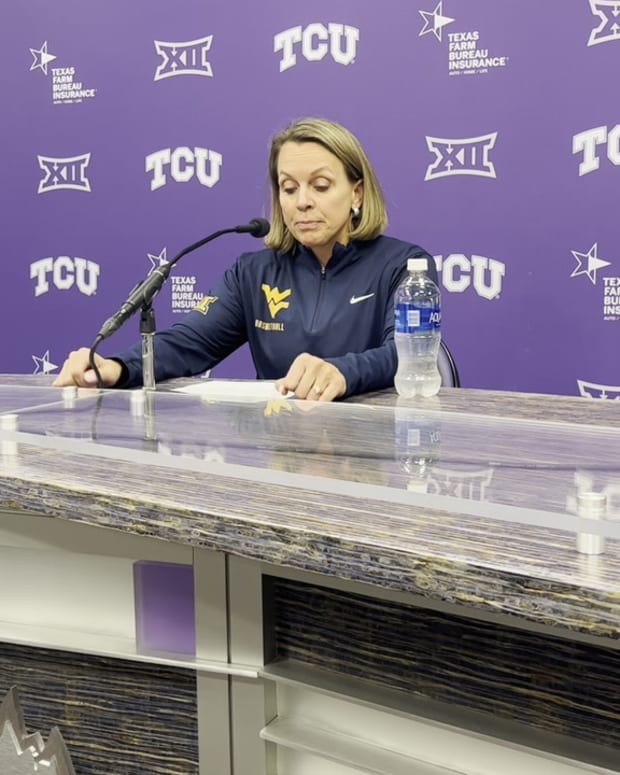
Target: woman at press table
<point>316,305</point>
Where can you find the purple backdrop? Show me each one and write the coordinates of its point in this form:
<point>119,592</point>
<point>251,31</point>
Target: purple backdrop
<point>133,129</point>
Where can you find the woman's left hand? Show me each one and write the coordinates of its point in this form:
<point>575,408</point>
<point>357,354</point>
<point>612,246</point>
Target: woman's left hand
<point>313,378</point>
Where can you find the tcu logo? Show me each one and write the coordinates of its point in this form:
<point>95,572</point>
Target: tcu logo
<point>65,272</point>
<point>69,173</point>
<point>609,29</point>
<point>464,156</point>
<point>316,40</point>
<point>458,273</point>
<point>586,142</point>
<point>184,164</point>
<point>185,58</point>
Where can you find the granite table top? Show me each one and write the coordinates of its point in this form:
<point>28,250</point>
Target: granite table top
<point>469,498</point>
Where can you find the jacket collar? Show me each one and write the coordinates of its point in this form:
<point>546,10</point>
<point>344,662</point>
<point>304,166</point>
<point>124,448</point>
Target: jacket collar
<point>342,255</point>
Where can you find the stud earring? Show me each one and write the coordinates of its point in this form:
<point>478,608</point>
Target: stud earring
<point>355,211</point>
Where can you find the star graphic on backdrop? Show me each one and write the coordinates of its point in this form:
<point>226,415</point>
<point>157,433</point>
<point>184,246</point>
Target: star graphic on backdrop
<point>43,365</point>
<point>588,263</point>
<point>41,58</point>
<point>157,261</point>
<point>434,21</point>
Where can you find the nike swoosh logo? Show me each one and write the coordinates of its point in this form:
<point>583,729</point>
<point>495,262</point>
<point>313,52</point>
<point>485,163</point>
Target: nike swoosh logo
<point>356,299</point>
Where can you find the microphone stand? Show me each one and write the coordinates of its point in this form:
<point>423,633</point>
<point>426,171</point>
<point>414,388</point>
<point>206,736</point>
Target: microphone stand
<point>147,332</point>
<point>141,297</point>
<point>147,314</point>
<point>142,407</point>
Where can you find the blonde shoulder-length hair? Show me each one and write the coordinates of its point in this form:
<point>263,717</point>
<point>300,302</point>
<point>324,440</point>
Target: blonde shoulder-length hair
<point>372,219</point>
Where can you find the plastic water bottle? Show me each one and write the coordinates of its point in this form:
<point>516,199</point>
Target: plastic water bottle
<point>417,332</point>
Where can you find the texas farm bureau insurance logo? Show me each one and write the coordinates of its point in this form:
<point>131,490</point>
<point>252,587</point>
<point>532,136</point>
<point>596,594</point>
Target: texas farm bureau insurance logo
<point>66,87</point>
<point>183,294</point>
<point>608,27</point>
<point>607,286</point>
<point>43,364</point>
<point>467,53</point>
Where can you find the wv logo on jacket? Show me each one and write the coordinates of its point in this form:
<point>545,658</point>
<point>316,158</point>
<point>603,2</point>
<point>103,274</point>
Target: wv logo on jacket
<point>275,298</point>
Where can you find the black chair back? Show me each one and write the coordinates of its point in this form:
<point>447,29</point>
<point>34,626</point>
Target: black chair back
<point>447,367</point>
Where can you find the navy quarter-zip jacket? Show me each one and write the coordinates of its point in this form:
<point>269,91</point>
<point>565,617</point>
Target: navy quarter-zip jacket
<point>284,304</point>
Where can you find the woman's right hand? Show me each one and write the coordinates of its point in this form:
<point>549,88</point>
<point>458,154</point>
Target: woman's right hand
<point>76,370</point>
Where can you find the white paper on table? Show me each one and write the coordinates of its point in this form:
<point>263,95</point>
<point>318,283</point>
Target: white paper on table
<point>234,390</point>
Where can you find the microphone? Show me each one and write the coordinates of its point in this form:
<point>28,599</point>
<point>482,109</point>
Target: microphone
<point>257,227</point>
<point>145,291</point>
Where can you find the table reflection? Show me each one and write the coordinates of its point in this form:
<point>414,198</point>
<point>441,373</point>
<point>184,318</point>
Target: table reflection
<point>410,446</point>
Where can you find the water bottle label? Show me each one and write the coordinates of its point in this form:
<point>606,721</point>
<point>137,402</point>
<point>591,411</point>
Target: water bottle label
<point>413,318</point>
<point>408,318</point>
<point>414,434</point>
<point>413,437</point>
<point>417,440</point>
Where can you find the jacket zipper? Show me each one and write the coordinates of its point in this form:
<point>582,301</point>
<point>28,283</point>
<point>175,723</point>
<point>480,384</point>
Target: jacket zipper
<point>319,300</point>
